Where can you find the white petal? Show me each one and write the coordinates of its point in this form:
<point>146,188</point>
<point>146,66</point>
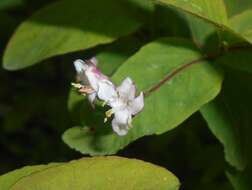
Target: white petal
<point>80,66</point>
<point>122,116</point>
<point>92,79</point>
<point>118,128</point>
<point>127,89</point>
<point>137,104</point>
<point>94,61</point>
<point>117,104</point>
<point>106,90</point>
<point>92,97</point>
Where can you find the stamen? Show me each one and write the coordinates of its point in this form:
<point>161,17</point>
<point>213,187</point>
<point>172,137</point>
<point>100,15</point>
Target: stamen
<point>76,85</point>
<point>86,90</point>
<point>108,114</point>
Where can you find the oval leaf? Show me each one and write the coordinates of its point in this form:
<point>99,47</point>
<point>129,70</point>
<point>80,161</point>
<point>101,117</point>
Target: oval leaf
<point>9,179</point>
<point>242,24</point>
<point>229,118</point>
<point>222,126</point>
<point>68,26</point>
<point>213,11</point>
<point>101,173</point>
<point>166,108</point>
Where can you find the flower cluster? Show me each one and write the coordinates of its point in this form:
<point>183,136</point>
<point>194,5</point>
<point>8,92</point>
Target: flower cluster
<point>122,99</point>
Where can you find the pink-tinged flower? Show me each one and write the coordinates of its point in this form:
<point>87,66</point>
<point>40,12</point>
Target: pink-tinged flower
<point>124,106</point>
<point>93,82</point>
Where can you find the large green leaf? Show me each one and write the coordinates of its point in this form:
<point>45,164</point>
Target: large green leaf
<point>165,108</point>
<point>213,11</point>
<point>220,122</point>
<point>68,26</point>
<point>230,120</point>
<point>9,179</point>
<point>203,33</point>
<point>101,173</point>
<point>241,24</point>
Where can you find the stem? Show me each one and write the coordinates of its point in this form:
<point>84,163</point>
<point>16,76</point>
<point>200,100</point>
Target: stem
<point>178,70</point>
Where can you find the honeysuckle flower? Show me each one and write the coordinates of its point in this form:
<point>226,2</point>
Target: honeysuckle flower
<point>124,105</point>
<point>92,82</point>
<point>122,99</point>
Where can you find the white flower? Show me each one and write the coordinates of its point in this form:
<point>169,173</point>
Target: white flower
<point>93,82</point>
<point>124,106</point>
<point>122,99</point>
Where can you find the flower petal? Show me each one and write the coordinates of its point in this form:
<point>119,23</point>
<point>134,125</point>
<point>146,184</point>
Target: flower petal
<point>127,89</point>
<point>122,116</point>
<point>91,98</point>
<point>92,79</point>
<point>137,104</point>
<point>94,61</point>
<point>118,128</point>
<point>106,90</point>
<point>80,66</point>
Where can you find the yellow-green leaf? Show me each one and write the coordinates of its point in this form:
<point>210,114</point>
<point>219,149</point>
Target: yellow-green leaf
<point>100,173</point>
<point>213,11</point>
<point>67,26</point>
<point>241,24</point>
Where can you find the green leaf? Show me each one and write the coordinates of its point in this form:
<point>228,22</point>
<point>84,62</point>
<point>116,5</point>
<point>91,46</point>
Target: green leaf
<point>240,60</point>
<point>213,11</point>
<point>220,122</point>
<point>68,26</point>
<point>230,119</point>
<point>242,24</point>
<point>240,180</point>
<point>165,108</point>
<point>167,21</point>
<point>5,4</point>
<point>237,6</point>
<point>203,34</point>
<point>11,178</point>
<point>101,173</point>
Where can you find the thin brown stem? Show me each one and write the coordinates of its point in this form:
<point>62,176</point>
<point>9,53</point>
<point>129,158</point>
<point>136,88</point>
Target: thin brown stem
<point>177,71</point>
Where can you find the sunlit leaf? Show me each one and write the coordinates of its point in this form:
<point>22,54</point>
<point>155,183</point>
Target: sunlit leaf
<point>68,26</point>
<point>101,173</point>
<point>11,178</point>
<point>213,11</point>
